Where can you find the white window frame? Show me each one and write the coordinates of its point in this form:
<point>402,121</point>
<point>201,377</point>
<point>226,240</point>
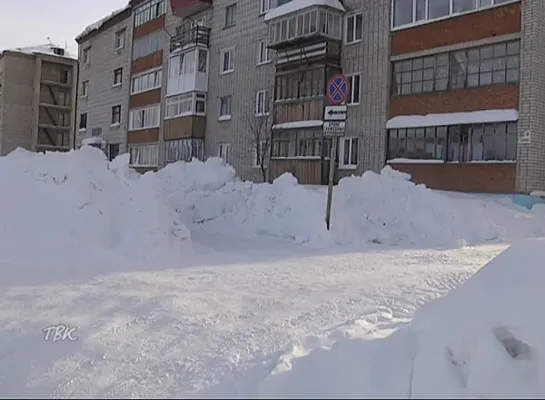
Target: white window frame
<point>342,143</point>
<point>226,117</point>
<point>232,6</point>
<point>138,152</point>
<point>263,107</point>
<point>116,84</point>
<point>192,98</point>
<point>80,128</point>
<point>157,77</point>
<point>119,39</point>
<point>354,39</point>
<point>224,151</point>
<point>255,164</point>
<point>86,55</point>
<point>145,117</point>
<point>349,100</point>
<point>451,14</point>
<point>113,124</point>
<point>263,52</point>
<point>85,89</point>
<point>264,6</point>
<point>231,51</point>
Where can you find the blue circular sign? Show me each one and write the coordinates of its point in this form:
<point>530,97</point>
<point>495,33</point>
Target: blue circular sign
<point>338,88</point>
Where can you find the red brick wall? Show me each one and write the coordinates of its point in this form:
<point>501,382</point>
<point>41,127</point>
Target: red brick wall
<point>473,177</point>
<point>493,97</point>
<point>466,28</point>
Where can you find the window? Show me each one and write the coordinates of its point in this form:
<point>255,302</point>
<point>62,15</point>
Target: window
<point>86,56</point>
<point>225,107</point>
<point>184,150</point>
<point>407,12</point>
<point>84,88</point>
<point>65,75</point>
<point>300,85</point>
<point>118,76</point>
<point>227,59</point>
<point>144,118</point>
<point>261,153</point>
<point>456,143</point>
<point>355,86</point>
<point>119,40</point>
<point>145,81</point>
<point>116,115</point>
<point>478,66</point>
<point>299,144</point>
<point>348,152</point>
<point>185,104</point>
<point>264,6</point>
<point>113,151</point>
<point>224,151</point>
<point>149,11</point>
<point>263,55</point>
<point>230,15</point>
<point>144,155</point>
<point>152,43</point>
<point>262,102</point>
<point>83,121</point>
<point>202,60</point>
<point>354,28</point>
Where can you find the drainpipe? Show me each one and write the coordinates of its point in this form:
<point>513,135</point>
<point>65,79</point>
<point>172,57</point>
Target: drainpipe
<point>76,103</point>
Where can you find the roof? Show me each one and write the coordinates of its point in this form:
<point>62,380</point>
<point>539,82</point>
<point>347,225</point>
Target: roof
<point>296,5</point>
<point>96,26</point>
<point>44,49</point>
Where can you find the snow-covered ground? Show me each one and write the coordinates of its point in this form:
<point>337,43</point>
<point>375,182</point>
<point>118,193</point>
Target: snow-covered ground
<point>189,282</point>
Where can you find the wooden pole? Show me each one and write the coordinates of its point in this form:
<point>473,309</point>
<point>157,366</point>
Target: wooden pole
<point>332,161</point>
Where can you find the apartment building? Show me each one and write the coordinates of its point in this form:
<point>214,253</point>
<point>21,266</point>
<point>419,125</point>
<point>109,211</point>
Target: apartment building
<point>446,90</point>
<point>37,92</point>
<point>466,110</point>
<point>104,83</point>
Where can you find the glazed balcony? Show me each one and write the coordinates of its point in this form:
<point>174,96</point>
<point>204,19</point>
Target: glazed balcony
<point>183,8</point>
<point>289,28</point>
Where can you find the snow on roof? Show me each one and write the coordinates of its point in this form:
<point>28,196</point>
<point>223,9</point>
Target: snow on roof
<point>296,5</point>
<point>97,25</point>
<point>474,117</point>
<point>45,49</point>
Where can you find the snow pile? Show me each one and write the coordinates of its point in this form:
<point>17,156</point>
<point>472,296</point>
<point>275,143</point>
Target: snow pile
<point>389,208</point>
<point>484,340</point>
<point>100,23</point>
<point>381,208</point>
<point>60,203</point>
<point>210,193</point>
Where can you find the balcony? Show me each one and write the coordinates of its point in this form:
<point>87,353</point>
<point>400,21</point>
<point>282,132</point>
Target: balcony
<point>183,8</point>
<point>305,26</point>
<point>197,35</point>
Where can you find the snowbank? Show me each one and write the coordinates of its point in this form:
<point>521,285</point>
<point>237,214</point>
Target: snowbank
<point>57,204</point>
<point>382,208</point>
<point>484,340</point>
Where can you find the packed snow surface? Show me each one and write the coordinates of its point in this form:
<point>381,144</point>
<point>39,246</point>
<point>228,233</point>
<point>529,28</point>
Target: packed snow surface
<point>191,282</point>
<point>483,340</point>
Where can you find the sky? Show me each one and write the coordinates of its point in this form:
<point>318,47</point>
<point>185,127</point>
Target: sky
<point>30,22</point>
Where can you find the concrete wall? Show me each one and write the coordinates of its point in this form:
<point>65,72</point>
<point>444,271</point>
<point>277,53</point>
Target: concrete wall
<point>242,84</point>
<point>102,96</point>
<point>18,106</point>
<point>371,59</point>
<point>531,155</point>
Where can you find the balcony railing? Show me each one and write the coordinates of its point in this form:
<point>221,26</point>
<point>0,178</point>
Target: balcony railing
<point>198,35</point>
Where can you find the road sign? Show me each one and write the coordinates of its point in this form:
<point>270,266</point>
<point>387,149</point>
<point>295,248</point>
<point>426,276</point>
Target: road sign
<point>334,128</point>
<point>338,88</point>
<point>335,113</point>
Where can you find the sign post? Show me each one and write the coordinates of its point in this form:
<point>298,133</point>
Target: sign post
<point>334,126</point>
